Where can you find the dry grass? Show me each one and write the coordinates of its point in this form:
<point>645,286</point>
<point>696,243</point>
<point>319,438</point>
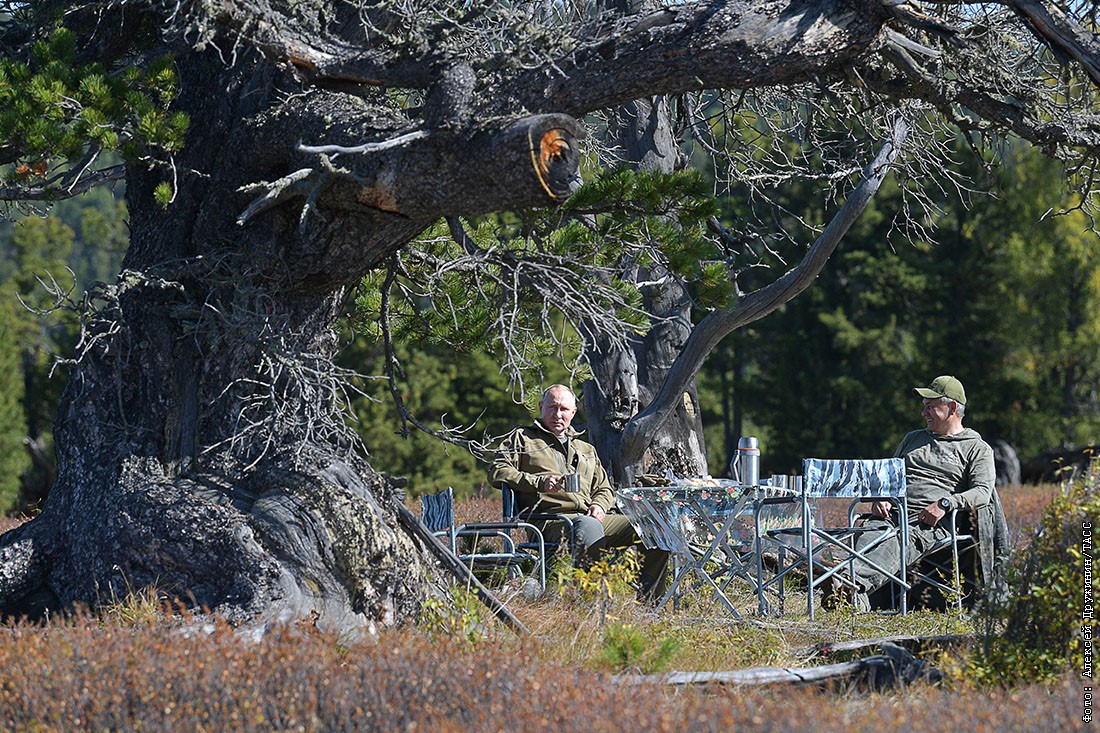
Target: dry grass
<point>7,523</point>
<point>111,673</point>
<point>1024,507</point>
<point>84,676</point>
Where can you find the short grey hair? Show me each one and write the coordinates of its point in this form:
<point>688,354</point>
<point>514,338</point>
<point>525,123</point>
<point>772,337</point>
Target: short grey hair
<point>960,408</point>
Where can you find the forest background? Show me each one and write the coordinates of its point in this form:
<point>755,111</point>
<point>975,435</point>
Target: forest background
<point>1002,290</point>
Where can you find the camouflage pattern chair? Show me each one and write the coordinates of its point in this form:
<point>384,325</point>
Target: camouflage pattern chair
<point>821,553</point>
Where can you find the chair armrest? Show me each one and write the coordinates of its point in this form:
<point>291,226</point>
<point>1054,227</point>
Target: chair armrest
<point>546,517</point>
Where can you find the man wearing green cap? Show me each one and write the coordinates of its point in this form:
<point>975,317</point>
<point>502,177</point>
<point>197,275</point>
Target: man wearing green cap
<point>947,466</point>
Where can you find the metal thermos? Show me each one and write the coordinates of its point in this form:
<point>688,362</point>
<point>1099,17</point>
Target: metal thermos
<point>748,461</point>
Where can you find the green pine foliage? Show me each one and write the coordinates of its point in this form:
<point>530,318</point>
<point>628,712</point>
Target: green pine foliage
<point>445,319</point>
<point>450,389</point>
<point>1045,291</point>
<point>648,219</point>
<point>1001,297</point>
<point>656,219</point>
<point>36,253</point>
<point>54,110</point>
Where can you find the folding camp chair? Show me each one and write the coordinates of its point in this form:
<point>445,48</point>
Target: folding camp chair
<point>966,565</point>
<point>512,513</point>
<point>941,568</point>
<point>821,552</point>
<point>486,545</point>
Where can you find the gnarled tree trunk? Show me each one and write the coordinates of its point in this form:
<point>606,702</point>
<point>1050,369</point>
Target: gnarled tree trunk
<point>201,446</point>
<point>625,379</point>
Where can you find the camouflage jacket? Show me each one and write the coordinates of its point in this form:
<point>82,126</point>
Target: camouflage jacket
<point>529,453</point>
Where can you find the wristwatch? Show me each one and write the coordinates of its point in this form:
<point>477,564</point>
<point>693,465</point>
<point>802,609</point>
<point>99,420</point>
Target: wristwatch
<point>944,504</point>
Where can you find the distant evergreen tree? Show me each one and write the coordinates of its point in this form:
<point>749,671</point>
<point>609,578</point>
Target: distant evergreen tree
<point>14,461</point>
<point>38,251</point>
<point>454,389</point>
<point>826,374</point>
<point>35,256</point>
<point>1006,300</point>
<point>81,241</point>
<point>1045,296</point>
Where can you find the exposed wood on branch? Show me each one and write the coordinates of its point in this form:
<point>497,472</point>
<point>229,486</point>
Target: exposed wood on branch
<point>365,148</point>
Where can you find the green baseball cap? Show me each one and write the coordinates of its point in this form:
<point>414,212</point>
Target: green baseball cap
<point>945,386</point>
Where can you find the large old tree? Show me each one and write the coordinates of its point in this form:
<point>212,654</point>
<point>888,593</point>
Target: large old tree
<point>200,445</point>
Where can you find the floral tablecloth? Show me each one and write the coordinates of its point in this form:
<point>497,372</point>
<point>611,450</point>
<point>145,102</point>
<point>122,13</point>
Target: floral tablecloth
<point>675,517</point>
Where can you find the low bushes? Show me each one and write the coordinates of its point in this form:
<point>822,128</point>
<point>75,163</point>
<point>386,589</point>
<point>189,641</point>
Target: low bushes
<point>82,675</point>
<point>1045,629</point>
<point>141,669</point>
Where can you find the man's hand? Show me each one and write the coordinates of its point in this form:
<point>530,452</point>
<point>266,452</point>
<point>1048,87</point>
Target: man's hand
<point>932,514</point>
<point>552,484</point>
<point>881,509</point>
<point>596,512</point>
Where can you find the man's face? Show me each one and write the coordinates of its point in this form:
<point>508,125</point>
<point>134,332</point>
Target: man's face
<point>557,410</point>
<point>937,414</point>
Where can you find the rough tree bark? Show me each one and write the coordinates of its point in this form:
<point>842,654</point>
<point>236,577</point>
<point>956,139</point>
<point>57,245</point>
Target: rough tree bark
<point>199,447</point>
<point>626,378</point>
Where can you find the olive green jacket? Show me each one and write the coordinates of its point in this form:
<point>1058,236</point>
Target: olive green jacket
<point>527,454</point>
<point>958,467</point>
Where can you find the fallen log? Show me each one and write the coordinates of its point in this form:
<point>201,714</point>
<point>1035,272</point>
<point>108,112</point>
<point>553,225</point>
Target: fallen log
<point>894,667</point>
<point>906,641</point>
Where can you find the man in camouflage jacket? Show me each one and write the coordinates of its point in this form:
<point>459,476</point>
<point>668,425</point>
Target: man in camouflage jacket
<point>535,462</point>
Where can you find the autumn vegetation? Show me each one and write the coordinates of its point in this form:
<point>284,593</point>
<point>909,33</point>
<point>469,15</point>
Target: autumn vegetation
<point>141,664</point>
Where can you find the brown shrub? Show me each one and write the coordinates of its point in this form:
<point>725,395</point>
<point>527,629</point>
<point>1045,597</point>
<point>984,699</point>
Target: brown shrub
<point>87,676</point>
<point>1024,506</point>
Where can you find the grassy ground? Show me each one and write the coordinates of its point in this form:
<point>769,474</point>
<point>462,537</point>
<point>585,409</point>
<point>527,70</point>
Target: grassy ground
<point>133,668</point>
<point>612,634</point>
<point>707,636</point>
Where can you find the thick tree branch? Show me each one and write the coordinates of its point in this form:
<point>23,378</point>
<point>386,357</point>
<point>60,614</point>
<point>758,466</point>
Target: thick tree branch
<point>532,161</point>
<point>64,190</point>
<point>393,192</point>
<point>703,45</point>
<point>759,303</point>
<point>1065,37</point>
<point>287,31</point>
